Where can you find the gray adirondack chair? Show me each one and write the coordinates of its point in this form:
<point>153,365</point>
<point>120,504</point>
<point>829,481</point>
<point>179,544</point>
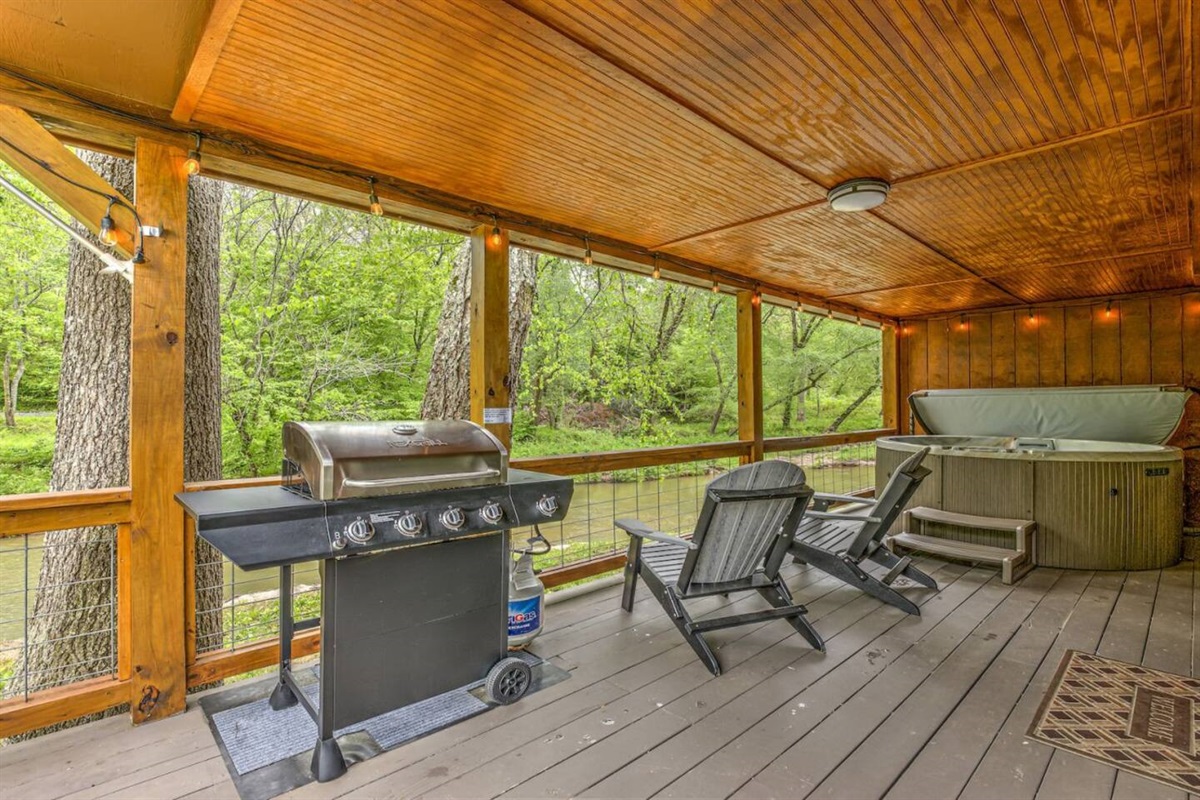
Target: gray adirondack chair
<point>741,538</point>
<point>837,543</point>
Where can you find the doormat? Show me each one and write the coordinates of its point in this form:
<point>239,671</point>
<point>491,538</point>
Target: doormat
<point>1141,720</point>
<point>268,752</point>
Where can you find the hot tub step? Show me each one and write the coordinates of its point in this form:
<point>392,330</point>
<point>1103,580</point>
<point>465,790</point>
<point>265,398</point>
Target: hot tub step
<point>1014,562</point>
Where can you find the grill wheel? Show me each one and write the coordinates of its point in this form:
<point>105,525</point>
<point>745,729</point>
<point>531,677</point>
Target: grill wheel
<point>508,681</point>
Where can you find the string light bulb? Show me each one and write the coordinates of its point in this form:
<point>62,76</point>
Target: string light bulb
<point>191,164</point>
<point>756,298</point>
<point>1108,309</point>
<point>495,231</point>
<point>656,273</point>
<point>858,321</point>
<point>108,228</point>
<point>829,313</point>
<point>587,251</point>
<point>716,287</point>
<point>962,322</point>
<point>373,203</point>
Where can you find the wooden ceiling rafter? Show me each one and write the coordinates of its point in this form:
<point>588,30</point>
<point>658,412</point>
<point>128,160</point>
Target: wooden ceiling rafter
<point>217,28</point>
<point>238,158</point>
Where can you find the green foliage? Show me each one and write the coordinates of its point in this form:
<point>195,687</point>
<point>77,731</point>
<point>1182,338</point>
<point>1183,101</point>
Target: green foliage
<point>26,452</point>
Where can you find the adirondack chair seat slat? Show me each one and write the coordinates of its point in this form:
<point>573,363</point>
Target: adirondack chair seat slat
<point>747,523</point>
<point>839,546</point>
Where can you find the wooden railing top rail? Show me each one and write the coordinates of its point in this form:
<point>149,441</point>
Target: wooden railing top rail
<point>779,444</point>
<point>583,463</point>
<point>22,514</point>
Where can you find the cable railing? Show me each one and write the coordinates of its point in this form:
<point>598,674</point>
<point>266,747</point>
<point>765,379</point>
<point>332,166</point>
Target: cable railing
<point>232,616</point>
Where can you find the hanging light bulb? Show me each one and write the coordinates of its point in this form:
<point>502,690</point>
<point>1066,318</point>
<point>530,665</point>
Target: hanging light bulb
<point>1108,309</point>
<point>829,313</point>
<point>587,251</point>
<point>962,322</point>
<point>756,298</point>
<point>858,321</point>
<point>191,164</point>
<point>716,287</point>
<point>108,228</point>
<point>656,273</point>
<point>373,203</point>
<point>495,232</point>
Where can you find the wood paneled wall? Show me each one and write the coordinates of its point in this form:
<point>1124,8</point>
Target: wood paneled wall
<point>1132,340</point>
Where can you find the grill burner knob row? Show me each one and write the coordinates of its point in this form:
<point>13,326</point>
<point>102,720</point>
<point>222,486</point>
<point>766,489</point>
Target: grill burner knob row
<point>492,513</point>
<point>360,531</point>
<point>453,518</point>
<point>548,505</point>
<point>409,524</point>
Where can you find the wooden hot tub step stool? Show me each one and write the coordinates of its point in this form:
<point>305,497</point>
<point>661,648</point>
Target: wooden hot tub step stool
<point>1013,563</point>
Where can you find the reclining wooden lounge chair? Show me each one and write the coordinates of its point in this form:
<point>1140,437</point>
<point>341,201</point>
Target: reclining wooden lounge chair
<point>740,540</point>
<point>837,543</point>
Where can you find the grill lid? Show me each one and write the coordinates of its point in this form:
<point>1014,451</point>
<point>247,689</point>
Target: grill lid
<point>340,460</point>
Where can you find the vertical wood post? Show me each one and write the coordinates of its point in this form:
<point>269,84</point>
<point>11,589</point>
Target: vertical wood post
<point>489,333</point>
<point>890,391</point>
<point>749,372</point>
<point>157,649</point>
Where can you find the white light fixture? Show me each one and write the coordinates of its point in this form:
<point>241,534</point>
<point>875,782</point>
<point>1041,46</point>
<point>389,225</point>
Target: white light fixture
<point>858,194</point>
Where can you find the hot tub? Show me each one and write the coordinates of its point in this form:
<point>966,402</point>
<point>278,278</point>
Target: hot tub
<point>1099,504</point>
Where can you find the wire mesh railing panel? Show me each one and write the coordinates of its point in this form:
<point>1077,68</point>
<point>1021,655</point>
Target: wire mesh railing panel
<point>58,609</point>
<point>665,497</point>
<point>835,469</point>
<point>236,608</point>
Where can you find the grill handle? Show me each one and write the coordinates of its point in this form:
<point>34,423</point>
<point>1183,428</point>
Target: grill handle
<point>390,483</point>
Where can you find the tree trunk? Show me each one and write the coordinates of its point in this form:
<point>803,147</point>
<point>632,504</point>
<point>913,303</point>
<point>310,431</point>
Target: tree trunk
<point>448,394</point>
<point>72,625</point>
<point>850,409</point>
<point>202,388</point>
<point>11,378</point>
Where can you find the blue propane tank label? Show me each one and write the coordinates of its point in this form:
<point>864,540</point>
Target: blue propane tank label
<point>524,616</point>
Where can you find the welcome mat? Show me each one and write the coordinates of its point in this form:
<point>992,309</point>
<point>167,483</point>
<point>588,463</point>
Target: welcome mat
<point>1141,720</point>
<point>268,752</point>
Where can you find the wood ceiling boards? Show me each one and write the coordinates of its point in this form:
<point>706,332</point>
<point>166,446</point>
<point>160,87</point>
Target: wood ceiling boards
<point>1038,150</point>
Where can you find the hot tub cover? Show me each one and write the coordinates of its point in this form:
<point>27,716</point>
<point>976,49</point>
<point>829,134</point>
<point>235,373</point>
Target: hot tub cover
<point>1142,414</point>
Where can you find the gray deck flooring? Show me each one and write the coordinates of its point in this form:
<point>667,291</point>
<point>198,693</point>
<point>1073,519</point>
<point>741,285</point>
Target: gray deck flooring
<point>899,707</point>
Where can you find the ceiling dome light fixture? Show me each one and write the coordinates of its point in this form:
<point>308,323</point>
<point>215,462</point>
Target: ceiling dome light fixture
<point>858,194</point>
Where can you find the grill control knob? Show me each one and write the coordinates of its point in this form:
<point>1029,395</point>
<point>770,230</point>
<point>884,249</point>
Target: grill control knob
<point>492,513</point>
<point>409,524</point>
<point>548,505</point>
<point>453,518</point>
<point>360,531</point>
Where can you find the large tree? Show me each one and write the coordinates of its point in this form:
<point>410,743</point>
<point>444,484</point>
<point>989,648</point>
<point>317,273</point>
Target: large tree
<point>71,627</point>
<point>448,393</point>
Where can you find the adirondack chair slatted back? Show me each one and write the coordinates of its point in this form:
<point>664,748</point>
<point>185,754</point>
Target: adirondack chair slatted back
<point>735,535</point>
<point>901,486</point>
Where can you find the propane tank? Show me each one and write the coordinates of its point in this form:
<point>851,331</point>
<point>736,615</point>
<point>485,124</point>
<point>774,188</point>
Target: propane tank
<point>526,594</point>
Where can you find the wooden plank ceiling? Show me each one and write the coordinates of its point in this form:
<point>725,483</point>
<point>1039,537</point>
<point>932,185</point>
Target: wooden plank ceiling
<point>1038,151</point>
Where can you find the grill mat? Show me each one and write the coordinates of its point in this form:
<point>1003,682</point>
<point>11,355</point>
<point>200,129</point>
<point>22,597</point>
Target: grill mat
<point>1134,718</point>
<point>267,752</point>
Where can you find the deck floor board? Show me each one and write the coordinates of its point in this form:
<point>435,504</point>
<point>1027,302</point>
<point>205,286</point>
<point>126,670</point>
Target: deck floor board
<point>899,707</point>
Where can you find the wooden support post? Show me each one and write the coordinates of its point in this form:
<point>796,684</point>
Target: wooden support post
<point>749,372</point>
<point>158,679</point>
<point>489,333</point>
<point>890,372</point>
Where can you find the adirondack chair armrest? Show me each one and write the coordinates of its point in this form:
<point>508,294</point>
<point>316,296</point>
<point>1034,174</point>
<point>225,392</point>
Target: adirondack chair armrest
<point>639,529</point>
<point>835,516</point>
<point>843,498</point>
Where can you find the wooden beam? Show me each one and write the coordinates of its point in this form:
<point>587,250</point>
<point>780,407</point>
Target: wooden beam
<point>779,444</point>
<point>211,667</point>
<point>890,373</point>
<point>1195,165</point>
<point>52,706</point>
<point>29,148</point>
<point>490,404</point>
<point>216,32</point>
<point>585,463</point>
<point>749,372</point>
<point>158,684</point>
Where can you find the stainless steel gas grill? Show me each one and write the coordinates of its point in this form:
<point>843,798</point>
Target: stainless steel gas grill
<point>410,521</point>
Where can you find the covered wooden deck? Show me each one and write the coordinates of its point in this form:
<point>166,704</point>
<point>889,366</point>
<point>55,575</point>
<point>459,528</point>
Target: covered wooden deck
<point>900,706</point>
